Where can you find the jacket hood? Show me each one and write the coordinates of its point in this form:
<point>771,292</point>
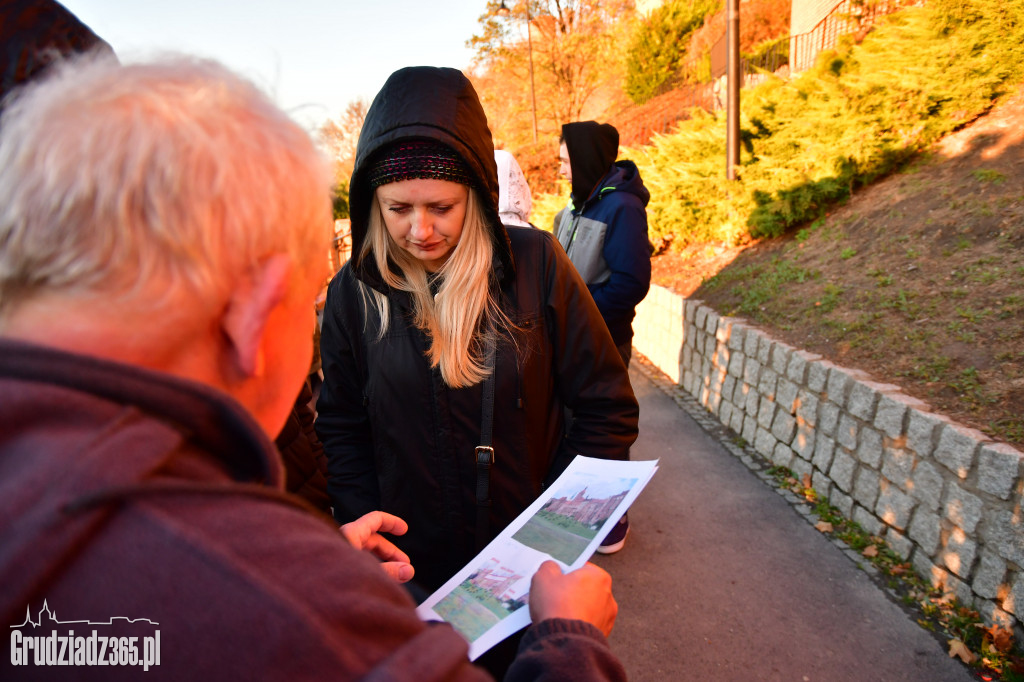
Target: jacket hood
<point>34,33</point>
<point>592,148</point>
<point>83,435</point>
<point>514,201</point>
<point>430,103</point>
<point>623,177</point>
<point>202,415</point>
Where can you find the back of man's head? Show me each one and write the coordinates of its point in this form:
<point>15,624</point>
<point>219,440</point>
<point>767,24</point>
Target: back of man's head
<point>146,180</point>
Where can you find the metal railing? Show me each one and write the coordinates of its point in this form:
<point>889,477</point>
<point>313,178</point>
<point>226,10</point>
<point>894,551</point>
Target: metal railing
<point>849,16</point>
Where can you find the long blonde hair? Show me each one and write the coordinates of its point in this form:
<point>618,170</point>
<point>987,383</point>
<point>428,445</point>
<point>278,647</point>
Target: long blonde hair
<point>463,312</point>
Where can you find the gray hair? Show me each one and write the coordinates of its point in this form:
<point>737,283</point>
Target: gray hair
<point>118,179</point>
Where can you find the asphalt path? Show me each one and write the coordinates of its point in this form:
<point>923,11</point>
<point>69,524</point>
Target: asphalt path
<point>722,579</point>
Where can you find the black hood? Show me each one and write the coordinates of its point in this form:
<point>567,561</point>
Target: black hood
<point>592,148</point>
<point>426,102</point>
<point>33,34</point>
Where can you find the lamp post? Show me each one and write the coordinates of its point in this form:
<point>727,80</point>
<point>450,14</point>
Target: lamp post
<point>504,11</point>
<point>732,140</point>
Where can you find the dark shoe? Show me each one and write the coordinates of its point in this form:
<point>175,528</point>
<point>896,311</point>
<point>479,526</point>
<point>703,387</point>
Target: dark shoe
<point>616,538</point>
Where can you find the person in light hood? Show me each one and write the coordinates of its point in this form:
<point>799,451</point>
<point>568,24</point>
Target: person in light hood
<point>514,201</point>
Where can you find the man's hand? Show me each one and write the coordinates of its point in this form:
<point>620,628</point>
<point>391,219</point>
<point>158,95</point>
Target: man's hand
<point>365,533</point>
<point>583,594</point>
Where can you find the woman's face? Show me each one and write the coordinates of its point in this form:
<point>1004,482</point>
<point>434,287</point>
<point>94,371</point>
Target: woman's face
<point>424,217</point>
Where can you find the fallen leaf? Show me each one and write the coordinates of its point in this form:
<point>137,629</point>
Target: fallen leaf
<point>870,551</point>
<point>824,526</point>
<point>897,570</point>
<point>806,480</point>
<point>1002,638</point>
<point>960,650</point>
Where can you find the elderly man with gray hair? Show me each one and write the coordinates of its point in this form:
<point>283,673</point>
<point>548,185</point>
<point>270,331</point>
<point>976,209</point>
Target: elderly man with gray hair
<point>163,234</point>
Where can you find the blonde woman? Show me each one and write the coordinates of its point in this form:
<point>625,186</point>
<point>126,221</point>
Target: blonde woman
<point>436,283</point>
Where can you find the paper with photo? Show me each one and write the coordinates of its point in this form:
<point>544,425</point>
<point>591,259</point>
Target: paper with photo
<point>488,599</point>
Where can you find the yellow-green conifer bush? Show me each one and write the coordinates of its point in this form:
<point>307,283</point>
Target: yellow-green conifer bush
<point>861,112</point>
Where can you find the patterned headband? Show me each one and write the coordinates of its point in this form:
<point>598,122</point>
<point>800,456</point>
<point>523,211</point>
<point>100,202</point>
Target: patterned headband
<point>414,159</point>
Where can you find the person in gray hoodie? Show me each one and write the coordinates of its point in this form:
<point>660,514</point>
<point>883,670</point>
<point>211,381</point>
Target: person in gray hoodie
<point>163,228</point>
<point>604,227</point>
<point>604,232</point>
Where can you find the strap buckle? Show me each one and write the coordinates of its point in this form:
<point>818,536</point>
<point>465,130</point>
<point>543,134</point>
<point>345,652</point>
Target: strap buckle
<point>484,454</point>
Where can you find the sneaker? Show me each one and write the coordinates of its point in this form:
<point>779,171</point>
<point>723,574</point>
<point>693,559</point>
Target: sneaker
<point>616,538</point>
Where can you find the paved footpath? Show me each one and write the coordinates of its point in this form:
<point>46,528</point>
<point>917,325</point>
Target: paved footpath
<point>722,578</point>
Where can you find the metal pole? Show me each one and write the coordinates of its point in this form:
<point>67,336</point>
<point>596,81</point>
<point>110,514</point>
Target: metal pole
<point>533,90</point>
<point>732,150</point>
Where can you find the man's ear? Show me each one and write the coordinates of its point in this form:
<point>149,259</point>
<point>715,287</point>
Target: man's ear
<point>254,298</point>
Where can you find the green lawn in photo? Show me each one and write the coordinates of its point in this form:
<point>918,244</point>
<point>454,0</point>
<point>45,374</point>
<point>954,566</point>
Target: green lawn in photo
<point>471,611</point>
<point>558,536</point>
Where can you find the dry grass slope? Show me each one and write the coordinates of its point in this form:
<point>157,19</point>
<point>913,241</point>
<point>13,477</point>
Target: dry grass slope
<point>917,280</point>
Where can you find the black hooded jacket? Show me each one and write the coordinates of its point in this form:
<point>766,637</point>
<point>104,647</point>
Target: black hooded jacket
<point>397,437</point>
<point>35,33</point>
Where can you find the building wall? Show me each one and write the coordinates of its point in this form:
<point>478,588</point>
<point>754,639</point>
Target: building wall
<point>584,509</point>
<point>645,7</point>
<point>942,495</point>
<point>805,14</point>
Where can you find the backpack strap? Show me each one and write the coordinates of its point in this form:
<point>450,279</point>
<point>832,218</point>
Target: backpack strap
<point>485,452</point>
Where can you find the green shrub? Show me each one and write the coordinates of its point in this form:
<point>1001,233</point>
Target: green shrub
<point>861,112</point>
<point>546,206</point>
<point>769,55</point>
<point>660,43</point>
<point>339,200</point>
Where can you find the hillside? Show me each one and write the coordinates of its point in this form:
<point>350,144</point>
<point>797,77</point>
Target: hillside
<point>918,279</point>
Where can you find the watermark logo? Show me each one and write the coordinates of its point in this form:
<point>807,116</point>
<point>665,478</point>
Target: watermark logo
<point>91,647</point>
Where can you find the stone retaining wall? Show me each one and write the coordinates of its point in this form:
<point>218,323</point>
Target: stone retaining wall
<point>942,495</point>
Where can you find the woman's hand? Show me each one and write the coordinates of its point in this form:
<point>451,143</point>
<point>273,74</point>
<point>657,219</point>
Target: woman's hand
<point>365,533</point>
